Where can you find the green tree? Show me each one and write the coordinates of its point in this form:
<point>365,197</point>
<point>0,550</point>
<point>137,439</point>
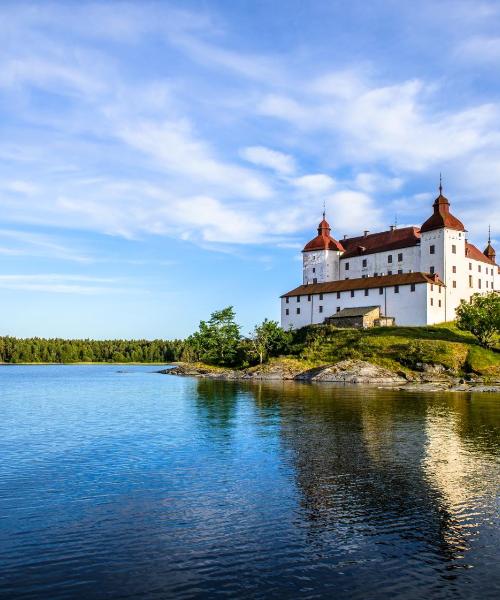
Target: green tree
<point>217,340</point>
<point>481,316</point>
<point>269,339</point>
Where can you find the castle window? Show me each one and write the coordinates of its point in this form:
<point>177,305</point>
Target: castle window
<point>298,311</point>
<point>321,296</point>
<point>400,257</point>
<point>439,289</point>
<point>479,268</point>
<point>412,287</point>
<point>298,298</point>
<point>431,269</point>
<point>389,272</point>
<point>479,283</point>
<point>389,258</point>
<point>453,269</point>
<point>375,274</point>
<point>400,271</point>
<point>487,282</point>
<point>432,287</point>
<point>338,308</point>
<point>320,309</point>
<point>338,294</point>
<point>432,301</point>
<point>432,249</point>
<point>287,299</point>
<point>314,269</point>
<point>366,292</point>
<point>453,249</point>
<point>352,293</point>
<point>287,311</point>
<point>347,266</point>
<point>309,297</point>
<point>380,291</point>
<point>364,276</point>
<point>454,284</point>
<point>365,262</point>
<point>470,266</point>
<point>396,289</point>
<point>470,281</point>
<point>315,280</point>
<point>439,303</point>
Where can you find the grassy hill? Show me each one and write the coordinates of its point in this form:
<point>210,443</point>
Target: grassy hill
<point>398,348</point>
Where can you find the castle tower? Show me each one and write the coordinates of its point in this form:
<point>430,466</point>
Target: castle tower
<point>321,256</point>
<point>489,251</point>
<point>442,251</point>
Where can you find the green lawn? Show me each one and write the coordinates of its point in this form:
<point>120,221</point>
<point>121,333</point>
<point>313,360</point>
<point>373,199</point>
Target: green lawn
<point>398,347</point>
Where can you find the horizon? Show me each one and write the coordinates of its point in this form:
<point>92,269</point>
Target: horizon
<point>164,160</point>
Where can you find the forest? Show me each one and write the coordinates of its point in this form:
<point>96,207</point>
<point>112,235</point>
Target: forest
<point>42,350</point>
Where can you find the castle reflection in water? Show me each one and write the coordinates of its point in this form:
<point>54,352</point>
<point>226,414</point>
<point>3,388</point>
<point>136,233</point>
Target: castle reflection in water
<point>380,474</point>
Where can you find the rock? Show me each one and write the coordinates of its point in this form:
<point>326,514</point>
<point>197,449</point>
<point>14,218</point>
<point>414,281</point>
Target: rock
<point>354,371</point>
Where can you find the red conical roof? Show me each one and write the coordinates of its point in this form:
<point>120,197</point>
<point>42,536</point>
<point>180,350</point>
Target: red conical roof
<point>323,241</point>
<point>489,251</point>
<point>442,216</point>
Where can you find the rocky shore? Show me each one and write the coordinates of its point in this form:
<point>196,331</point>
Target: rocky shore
<point>352,372</point>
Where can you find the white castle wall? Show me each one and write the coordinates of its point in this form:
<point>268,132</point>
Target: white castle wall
<point>408,308</point>
<point>322,265</point>
<point>352,268</point>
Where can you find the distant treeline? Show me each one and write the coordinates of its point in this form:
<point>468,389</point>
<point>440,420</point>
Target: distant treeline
<point>41,350</point>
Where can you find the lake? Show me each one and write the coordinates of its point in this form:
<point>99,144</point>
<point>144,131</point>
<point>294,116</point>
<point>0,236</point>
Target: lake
<point>118,482</point>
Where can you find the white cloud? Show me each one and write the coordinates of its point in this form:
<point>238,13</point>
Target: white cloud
<point>480,49</point>
<point>376,182</point>
<point>348,211</point>
<point>62,284</point>
<point>174,145</point>
<point>314,184</point>
<point>265,157</point>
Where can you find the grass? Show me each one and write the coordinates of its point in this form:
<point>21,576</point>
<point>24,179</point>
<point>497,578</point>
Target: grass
<point>399,348</point>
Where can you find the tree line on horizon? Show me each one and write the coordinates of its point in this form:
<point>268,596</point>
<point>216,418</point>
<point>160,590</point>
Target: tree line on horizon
<point>217,341</point>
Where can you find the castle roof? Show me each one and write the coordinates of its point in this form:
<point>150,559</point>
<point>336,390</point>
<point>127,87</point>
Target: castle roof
<point>361,283</point>
<point>473,252</point>
<point>323,241</point>
<point>381,242</point>
<point>442,216</point>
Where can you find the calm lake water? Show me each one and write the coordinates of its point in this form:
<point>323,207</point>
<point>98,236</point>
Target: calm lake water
<point>117,482</point>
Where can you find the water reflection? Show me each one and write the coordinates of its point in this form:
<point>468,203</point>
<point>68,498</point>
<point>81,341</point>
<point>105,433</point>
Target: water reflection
<point>404,477</point>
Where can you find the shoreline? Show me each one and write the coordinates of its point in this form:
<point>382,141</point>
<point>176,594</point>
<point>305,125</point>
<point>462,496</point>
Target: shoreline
<point>55,364</point>
<point>347,372</point>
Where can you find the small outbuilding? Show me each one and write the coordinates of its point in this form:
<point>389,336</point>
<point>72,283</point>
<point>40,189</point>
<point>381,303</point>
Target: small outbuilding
<point>360,317</point>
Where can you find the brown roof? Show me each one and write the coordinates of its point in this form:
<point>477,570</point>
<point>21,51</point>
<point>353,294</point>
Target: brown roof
<point>358,311</point>
<point>489,252</point>
<point>323,241</point>
<point>393,239</point>
<point>442,217</point>
<point>473,252</point>
<point>364,283</point>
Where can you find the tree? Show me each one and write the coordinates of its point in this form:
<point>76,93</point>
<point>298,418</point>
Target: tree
<point>217,340</point>
<point>481,316</point>
<point>269,339</point>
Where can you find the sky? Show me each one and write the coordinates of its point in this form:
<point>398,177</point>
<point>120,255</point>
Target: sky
<point>162,160</point>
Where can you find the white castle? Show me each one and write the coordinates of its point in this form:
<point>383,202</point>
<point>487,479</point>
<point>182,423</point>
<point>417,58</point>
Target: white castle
<point>408,275</point>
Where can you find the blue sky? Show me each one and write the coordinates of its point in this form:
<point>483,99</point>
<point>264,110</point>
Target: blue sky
<point>162,160</point>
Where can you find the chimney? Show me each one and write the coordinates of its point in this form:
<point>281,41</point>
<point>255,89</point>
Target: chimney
<point>393,227</point>
<point>366,232</point>
<point>345,236</point>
